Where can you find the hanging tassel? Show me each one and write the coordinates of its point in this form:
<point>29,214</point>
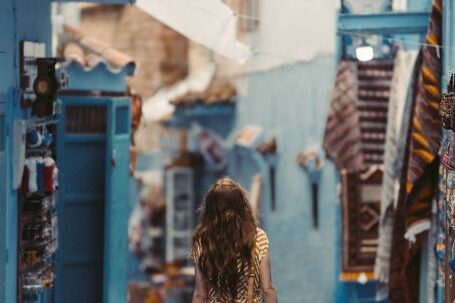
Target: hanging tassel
<point>55,185</point>
<point>25,178</point>
<point>31,166</point>
<point>40,174</point>
<point>49,165</point>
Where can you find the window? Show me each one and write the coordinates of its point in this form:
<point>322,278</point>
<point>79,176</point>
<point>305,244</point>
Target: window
<point>86,119</point>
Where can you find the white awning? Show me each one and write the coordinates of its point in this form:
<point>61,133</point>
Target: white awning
<point>208,22</point>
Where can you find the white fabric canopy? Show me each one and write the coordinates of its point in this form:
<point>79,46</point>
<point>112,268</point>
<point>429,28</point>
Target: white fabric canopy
<point>208,22</point>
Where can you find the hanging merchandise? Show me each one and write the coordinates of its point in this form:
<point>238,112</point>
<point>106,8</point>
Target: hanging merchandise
<point>19,139</point>
<point>268,150</point>
<point>255,195</point>
<point>397,126</point>
<point>413,217</point>
<point>356,125</point>
<point>360,195</point>
<point>249,136</point>
<point>447,115</point>
<point>38,230</point>
<point>446,204</point>
<point>374,81</point>
<point>311,161</point>
<point>354,140</point>
<point>342,133</point>
<point>440,220</point>
<point>210,146</point>
<point>426,132</point>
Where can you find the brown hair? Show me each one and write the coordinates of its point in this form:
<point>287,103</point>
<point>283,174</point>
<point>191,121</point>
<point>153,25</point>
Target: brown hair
<point>224,239</point>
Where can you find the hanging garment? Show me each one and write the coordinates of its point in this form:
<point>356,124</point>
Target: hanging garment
<point>357,120</point>
<point>426,131</point>
<point>446,205</point>
<point>446,190</point>
<point>431,277</point>
<point>420,171</point>
<point>354,140</point>
<point>211,147</point>
<point>25,181</point>
<point>40,174</point>
<point>19,134</point>
<point>49,166</point>
<point>374,80</point>
<point>407,281</point>
<point>31,164</point>
<point>342,133</point>
<point>396,266</point>
<point>397,126</point>
<point>360,199</point>
<point>398,243</point>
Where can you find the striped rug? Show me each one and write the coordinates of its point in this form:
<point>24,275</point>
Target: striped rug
<point>398,122</point>
<point>342,141</point>
<point>374,81</point>
<point>426,128</point>
<point>420,172</point>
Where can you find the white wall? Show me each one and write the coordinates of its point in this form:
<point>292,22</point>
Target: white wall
<point>289,31</point>
<point>292,30</point>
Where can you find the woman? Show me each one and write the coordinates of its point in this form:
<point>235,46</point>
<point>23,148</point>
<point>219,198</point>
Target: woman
<point>230,251</point>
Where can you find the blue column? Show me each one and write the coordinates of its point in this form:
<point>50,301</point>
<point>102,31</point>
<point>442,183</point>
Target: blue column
<point>20,20</point>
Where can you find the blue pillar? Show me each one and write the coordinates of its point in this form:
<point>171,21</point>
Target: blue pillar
<point>19,20</point>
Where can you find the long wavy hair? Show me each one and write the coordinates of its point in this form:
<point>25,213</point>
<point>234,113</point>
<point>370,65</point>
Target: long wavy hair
<point>225,237</point>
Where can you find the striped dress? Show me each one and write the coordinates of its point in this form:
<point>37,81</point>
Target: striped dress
<point>261,249</point>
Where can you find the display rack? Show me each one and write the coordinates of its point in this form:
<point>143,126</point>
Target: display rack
<point>37,216</point>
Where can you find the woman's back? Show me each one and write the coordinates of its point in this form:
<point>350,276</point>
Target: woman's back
<point>260,251</point>
<point>230,252</point>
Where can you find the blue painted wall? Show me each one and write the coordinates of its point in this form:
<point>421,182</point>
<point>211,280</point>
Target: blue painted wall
<point>19,20</point>
<point>292,103</point>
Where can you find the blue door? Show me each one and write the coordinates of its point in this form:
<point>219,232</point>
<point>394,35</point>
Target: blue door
<point>117,208</point>
<point>93,155</point>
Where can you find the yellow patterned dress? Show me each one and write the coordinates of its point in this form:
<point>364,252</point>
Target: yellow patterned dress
<point>261,249</point>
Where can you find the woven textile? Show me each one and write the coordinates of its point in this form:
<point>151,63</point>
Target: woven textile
<point>354,140</point>
<point>399,244</point>
<point>426,129</point>
<point>446,210</point>
<point>397,127</point>
<point>374,81</point>
<point>342,134</point>
<point>420,171</point>
<point>357,121</point>
<point>360,212</point>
